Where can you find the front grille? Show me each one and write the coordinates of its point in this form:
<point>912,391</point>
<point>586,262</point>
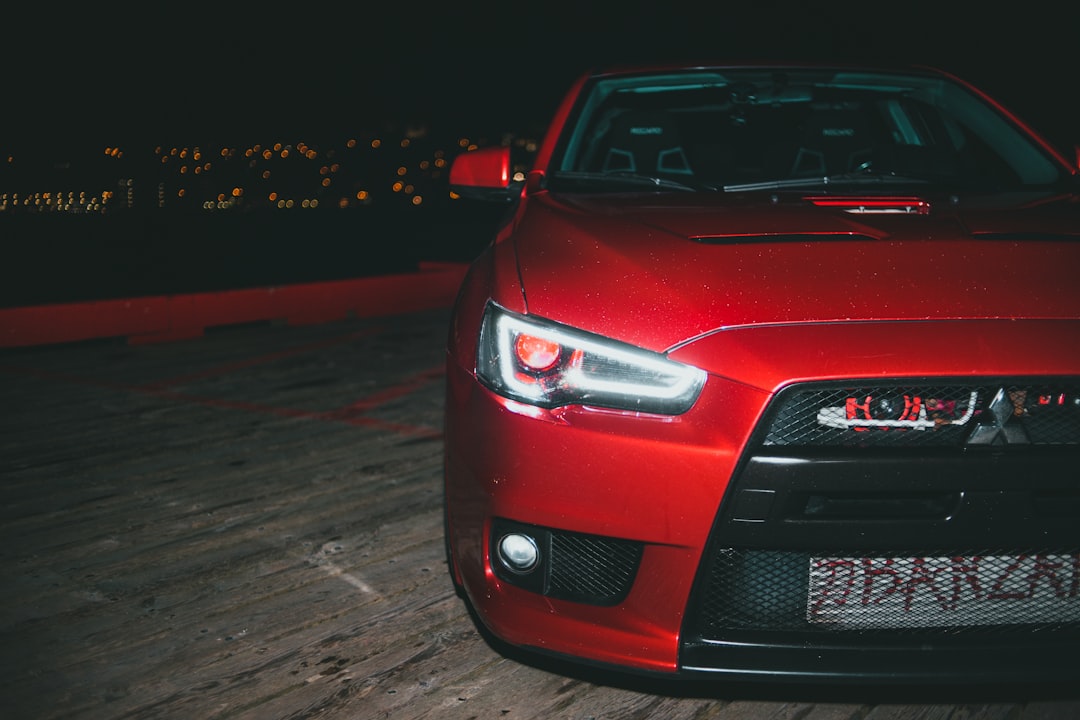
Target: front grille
<point>939,594</point>
<point>880,519</point>
<point>1010,412</point>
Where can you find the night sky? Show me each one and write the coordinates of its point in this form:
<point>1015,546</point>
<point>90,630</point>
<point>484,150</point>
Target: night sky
<point>218,70</point>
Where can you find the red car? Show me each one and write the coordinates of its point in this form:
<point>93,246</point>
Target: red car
<point>773,372</point>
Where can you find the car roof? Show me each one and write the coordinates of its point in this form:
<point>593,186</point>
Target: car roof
<point>610,70</point>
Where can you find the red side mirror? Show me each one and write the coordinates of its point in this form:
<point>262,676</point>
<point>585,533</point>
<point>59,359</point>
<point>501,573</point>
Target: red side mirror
<point>484,174</point>
<point>486,167</point>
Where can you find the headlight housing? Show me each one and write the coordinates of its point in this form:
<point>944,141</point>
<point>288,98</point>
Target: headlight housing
<point>548,365</point>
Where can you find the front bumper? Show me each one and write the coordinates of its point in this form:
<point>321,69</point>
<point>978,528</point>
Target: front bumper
<point>692,494</point>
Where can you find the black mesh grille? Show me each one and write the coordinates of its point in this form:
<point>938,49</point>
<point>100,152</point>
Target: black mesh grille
<point>938,594</point>
<point>592,569</point>
<point>928,414</point>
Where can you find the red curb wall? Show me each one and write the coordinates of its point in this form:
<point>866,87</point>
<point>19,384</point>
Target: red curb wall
<point>165,318</point>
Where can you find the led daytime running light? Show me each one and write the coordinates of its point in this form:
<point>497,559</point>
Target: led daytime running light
<point>583,369</point>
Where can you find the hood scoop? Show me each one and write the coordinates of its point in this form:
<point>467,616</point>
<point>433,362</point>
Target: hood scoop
<point>1031,236</point>
<point>741,239</point>
<point>873,204</point>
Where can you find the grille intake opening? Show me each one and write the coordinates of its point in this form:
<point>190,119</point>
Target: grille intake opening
<point>1057,504</point>
<point>933,593</point>
<point>932,413</point>
<point>876,506</point>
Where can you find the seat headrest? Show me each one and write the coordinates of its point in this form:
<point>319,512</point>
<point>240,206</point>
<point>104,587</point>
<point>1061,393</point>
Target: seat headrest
<point>645,141</point>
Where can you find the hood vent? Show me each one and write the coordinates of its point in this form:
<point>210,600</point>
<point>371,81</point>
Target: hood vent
<point>780,238</point>
<point>1033,236</point>
<point>873,205</point>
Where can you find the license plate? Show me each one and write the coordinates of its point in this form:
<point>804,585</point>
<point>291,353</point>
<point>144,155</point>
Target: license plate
<point>913,592</point>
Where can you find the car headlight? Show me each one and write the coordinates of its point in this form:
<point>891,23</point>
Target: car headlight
<point>546,364</point>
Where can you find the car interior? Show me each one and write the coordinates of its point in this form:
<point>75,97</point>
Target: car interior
<point>724,132</point>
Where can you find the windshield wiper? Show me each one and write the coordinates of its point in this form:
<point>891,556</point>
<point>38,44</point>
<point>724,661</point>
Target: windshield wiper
<point>859,177</point>
<point>630,178</point>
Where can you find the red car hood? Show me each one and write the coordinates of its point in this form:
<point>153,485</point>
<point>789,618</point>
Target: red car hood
<point>660,270</point>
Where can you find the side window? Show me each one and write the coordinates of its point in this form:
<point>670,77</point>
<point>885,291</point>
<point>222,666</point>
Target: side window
<point>591,157</point>
<point>923,143</point>
<point>917,124</point>
<point>980,163</point>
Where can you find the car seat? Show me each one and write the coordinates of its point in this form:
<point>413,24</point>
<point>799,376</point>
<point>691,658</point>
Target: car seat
<point>833,140</point>
<point>645,142</point>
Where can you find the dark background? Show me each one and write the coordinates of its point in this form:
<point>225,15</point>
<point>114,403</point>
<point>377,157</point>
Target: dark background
<point>120,73</point>
<point>75,79</point>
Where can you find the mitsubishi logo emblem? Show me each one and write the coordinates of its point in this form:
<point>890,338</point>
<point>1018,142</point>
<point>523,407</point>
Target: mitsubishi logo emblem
<point>995,428</point>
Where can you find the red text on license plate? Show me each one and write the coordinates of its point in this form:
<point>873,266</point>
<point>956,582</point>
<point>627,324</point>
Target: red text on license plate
<point>941,591</point>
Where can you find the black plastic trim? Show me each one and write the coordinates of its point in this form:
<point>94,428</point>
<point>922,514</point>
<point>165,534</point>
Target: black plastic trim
<point>900,498</point>
<point>1050,658</point>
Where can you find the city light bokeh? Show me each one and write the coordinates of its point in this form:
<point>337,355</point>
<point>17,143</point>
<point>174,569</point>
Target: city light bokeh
<point>406,169</point>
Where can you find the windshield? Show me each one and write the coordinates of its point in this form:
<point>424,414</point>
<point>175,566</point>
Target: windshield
<point>765,128</point>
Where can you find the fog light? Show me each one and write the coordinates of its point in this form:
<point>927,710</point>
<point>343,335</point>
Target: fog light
<point>519,553</point>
